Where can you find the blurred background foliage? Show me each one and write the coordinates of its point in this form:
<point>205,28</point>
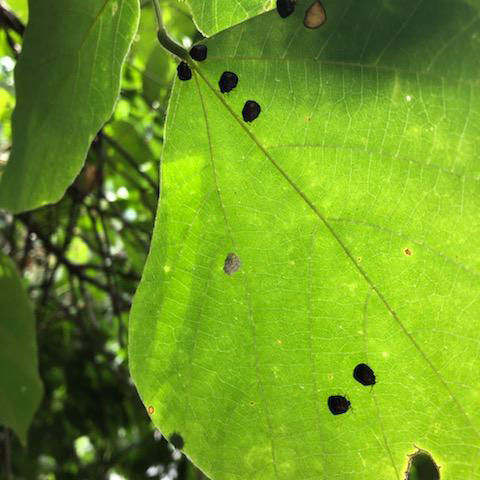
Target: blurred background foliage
<point>81,260</point>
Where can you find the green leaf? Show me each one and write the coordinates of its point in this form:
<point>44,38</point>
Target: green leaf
<point>20,7</point>
<point>67,82</point>
<point>158,74</point>
<point>352,203</point>
<point>212,16</point>
<point>20,385</point>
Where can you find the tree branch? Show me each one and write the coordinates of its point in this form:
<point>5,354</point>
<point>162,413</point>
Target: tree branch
<point>132,162</point>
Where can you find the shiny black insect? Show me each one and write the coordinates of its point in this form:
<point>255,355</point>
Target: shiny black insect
<point>338,404</point>
<point>183,71</point>
<point>251,110</point>
<point>177,440</point>
<point>364,374</point>
<point>199,52</point>
<point>228,81</point>
<point>285,7</point>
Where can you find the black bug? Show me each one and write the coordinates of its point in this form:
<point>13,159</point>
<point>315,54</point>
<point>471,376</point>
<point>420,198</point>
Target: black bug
<point>285,7</point>
<point>338,404</point>
<point>228,81</point>
<point>251,110</point>
<point>184,72</point>
<point>177,440</point>
<point>199,52</point>
<point>364,374</point>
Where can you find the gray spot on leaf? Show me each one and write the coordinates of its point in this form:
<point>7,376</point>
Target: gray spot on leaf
<point>232,264</point>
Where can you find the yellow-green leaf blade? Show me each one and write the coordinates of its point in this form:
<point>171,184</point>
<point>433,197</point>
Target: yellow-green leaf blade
<point>212,16</point>
<point>352,203</point>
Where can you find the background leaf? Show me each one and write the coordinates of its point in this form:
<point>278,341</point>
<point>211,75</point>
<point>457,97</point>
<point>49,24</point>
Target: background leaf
<point>20,7</point>
<point>212,16</point>
<point>67,81</point>
<point>352,203</point>
<point>20,385</point>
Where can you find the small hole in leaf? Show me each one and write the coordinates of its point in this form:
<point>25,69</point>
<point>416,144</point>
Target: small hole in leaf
<point>338,404</point>
<point>177,440</point>
<point>150,410</point>
<point>232,264</point>
<point>315,16</point>
<point>364,374</point>
<point>421,466</point>
<point>285,7</point>
<point>407,252</point>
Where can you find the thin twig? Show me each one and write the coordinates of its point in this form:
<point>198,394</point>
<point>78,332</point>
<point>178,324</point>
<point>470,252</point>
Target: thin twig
<point>131,161</point>
<point>59,254</point>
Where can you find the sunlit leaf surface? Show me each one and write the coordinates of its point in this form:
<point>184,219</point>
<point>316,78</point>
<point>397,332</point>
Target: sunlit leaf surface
<point>212,16</point>
<point>352,203</point>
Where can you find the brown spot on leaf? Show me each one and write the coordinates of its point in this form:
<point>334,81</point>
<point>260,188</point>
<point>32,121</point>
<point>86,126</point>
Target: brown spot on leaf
<point>150,410</point>
<point>407,252</point>
<point>315,16</point>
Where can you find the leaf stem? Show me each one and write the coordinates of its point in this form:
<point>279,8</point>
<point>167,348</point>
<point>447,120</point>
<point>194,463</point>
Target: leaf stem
<point>162,35</point>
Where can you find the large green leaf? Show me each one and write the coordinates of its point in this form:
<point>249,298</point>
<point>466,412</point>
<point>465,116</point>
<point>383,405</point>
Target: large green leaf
<point>353,205</point>
<point>212,16</point>
<point>20,385</point>
<point>67,82</point>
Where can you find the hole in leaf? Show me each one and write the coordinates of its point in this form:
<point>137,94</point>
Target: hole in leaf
<point>285,7</point>
<point>364,374</point>
<point>421,466</point>
<point>177,440</point>
<point>338,404</point>
<point>232,264</point>
<point>315,16</point>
